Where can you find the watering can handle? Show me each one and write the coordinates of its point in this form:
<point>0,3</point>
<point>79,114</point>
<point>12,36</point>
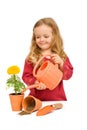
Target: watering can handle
<point>37,64</point>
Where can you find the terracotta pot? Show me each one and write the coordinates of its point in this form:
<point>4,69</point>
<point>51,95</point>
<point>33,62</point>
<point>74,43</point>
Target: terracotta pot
<point>16,101</point>
<point>31,104</point>
<point>48,73</point>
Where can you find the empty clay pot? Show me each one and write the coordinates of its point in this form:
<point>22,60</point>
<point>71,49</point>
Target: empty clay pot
<point>31,104</point>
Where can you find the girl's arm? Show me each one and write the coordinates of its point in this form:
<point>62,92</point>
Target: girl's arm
<point>67,69</point>
<point>27,75</point>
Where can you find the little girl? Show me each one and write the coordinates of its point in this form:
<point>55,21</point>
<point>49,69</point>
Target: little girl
<point>46,40</point>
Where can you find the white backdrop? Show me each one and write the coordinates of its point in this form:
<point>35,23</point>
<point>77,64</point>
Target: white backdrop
<point>17,18</point>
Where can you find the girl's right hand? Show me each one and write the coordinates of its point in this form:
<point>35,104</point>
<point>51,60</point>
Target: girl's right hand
<point>41,86</point>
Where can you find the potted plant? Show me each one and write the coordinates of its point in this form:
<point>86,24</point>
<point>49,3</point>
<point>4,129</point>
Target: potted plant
<point>15,82</point>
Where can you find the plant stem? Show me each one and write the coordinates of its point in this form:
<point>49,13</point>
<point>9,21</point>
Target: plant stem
<point>14,77</point>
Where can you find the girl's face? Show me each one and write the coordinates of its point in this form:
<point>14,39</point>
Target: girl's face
<point>43,35</point>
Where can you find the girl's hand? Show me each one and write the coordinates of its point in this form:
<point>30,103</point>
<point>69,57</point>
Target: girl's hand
<point>57,59</point>
<point>41,86</point>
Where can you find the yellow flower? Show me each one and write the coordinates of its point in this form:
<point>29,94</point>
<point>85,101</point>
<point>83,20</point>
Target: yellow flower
<point>13,69</point>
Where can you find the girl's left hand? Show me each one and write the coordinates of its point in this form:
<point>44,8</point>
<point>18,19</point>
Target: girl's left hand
<point>57,59</point>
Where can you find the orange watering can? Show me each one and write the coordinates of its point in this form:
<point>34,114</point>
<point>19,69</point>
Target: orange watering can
<point>48,73</point>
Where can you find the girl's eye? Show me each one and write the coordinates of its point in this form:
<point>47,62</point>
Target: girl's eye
<point>46,36</point>
<point>37,37</point>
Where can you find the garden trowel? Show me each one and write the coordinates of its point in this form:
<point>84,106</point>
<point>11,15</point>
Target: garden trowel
<point>48,109</point>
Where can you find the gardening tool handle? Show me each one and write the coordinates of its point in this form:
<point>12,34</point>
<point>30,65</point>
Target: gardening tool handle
<point>37,64</point>
<point>57,106</point>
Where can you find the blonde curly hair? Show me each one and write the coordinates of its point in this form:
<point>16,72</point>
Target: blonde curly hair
<point>57,43</point>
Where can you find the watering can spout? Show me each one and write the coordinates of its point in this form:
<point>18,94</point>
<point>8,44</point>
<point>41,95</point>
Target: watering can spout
<point>30,87</point>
